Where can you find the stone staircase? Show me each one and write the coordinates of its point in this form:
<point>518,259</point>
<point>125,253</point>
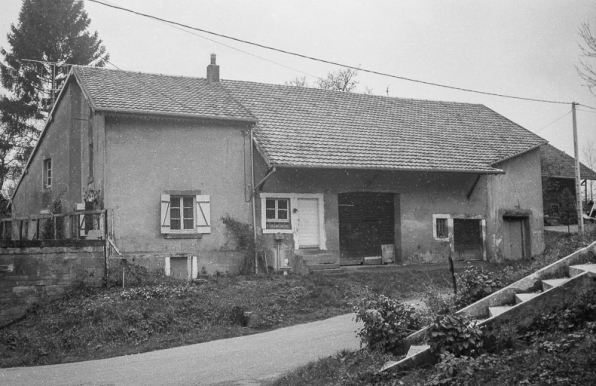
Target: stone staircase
<point>546,289</point>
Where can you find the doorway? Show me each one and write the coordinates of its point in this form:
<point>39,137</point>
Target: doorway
<point>517,242</point>
<point>467,239</point>
<point>366,222</point>
<point>308,222</point>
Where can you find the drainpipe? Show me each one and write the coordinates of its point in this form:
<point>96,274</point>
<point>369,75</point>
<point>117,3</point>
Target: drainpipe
<point>253,193</point>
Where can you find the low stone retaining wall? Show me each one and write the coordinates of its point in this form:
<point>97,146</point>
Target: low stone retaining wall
<point>37,272</point>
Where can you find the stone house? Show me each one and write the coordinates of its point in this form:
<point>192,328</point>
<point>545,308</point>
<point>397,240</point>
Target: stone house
<point>322,176</point>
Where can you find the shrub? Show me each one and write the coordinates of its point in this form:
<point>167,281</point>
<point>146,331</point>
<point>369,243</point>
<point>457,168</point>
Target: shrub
<point>474,284</point>
<point>386,323</point>
<point>464,370</point>
<point>580,312</point>
<point>438,302</point>
<point>457,334</point>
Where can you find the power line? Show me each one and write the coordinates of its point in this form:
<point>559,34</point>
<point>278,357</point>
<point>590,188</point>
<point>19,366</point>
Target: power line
<point>326,61</point>
<point>553,122</point>
<point>587,111</point>
<point>228,46</point>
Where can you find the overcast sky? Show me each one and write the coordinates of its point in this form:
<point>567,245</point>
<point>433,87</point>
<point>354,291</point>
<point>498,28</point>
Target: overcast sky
<point>521,48</point>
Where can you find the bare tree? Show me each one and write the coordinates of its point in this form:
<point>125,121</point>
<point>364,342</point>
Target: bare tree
<point>589,158</point>
<point>298,82</point>
<point>341,80</point>
<point>588,70</point>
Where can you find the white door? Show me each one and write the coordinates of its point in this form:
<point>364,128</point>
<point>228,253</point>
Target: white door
<point>308,222</point>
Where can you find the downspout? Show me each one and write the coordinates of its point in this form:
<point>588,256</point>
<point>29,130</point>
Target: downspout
<point>253,193</point>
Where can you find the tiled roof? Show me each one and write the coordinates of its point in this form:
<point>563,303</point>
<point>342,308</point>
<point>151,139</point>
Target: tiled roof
<point>558,164</point>
<point>134,92</point>
<point>307,127</point>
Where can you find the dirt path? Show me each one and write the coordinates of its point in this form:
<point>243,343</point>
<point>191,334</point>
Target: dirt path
<point>249,360</point>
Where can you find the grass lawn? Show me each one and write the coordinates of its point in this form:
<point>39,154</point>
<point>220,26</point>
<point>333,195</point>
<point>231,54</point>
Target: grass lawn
<point>159,312</point>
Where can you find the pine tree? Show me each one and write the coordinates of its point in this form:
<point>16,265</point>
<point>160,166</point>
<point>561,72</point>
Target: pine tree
<point>52,31</point>
<point>48,31</point>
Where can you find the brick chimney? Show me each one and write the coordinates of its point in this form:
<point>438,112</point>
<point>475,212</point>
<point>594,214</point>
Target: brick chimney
<point>213,71</point>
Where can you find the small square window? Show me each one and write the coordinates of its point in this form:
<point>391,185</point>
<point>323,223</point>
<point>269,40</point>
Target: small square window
<point>47,173</point>
<point>277,213</point>
<point>441,228</point>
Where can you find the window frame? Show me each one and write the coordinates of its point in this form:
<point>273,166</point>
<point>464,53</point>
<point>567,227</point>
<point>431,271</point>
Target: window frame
<point>201,212</point>
<point>47,173</point>
<point>449,226</point>
<point>182,218</point>
<point>293,198</point>
<point>284,223</point>
<point>442,228</point>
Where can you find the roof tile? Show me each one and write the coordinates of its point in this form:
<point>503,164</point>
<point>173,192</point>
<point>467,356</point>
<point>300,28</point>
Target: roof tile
<point>116,90</point>
<point>307,127</point>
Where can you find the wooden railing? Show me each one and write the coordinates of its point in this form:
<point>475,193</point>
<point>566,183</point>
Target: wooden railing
<point>90,224</point>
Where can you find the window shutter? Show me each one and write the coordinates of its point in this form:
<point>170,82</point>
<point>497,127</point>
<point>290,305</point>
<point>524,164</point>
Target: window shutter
<point>165,213</point>
<point>203,213</point>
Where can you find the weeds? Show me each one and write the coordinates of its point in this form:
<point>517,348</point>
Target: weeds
<point>154,311</point>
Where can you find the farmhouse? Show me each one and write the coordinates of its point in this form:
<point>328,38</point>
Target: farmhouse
<point>325,177</point>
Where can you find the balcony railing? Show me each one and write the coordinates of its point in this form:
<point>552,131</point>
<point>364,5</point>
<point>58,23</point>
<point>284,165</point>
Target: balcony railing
<point>80,225</point>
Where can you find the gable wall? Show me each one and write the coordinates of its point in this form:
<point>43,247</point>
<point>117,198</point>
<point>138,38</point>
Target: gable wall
<point>146,158</point>
<point>61,143</point>
<point>520,188</point>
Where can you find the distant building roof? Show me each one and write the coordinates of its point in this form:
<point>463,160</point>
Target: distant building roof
<point>558,164</point>
<point>308,127</point>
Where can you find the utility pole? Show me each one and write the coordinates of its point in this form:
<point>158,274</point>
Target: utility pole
<point>578,194</point>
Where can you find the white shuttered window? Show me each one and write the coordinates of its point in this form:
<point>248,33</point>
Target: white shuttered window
<point>185,214</point>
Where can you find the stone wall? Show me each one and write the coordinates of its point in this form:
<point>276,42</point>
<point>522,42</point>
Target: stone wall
<point>42,271</point>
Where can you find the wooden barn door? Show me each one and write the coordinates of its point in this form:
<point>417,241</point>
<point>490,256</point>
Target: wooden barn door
<point>366,221</point>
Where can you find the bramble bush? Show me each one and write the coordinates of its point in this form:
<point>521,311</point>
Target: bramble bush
<point>457,334</point>
<point>386,323</point>
<point>474,284</point>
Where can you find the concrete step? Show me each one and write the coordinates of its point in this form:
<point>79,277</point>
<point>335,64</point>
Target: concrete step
<point>322,267</point>
<point>519,298</point>
<point>494,311</point>
<point>548,284</point>
<point>415,349</point>
<point>575,270</point>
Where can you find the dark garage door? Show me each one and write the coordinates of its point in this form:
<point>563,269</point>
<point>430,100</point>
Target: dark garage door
<point>366,221</point>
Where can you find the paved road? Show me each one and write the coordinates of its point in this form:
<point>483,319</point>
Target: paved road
<point>245,361</point>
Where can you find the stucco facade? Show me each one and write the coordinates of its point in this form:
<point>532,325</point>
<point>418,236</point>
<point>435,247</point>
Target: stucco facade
<point>333,178</point>
<point>61,143</point>
<point>146,158</point>
<point>419,198</point>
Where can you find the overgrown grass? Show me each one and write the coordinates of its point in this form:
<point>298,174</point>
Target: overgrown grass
<point>559,350</point>
<point>155,312</point>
